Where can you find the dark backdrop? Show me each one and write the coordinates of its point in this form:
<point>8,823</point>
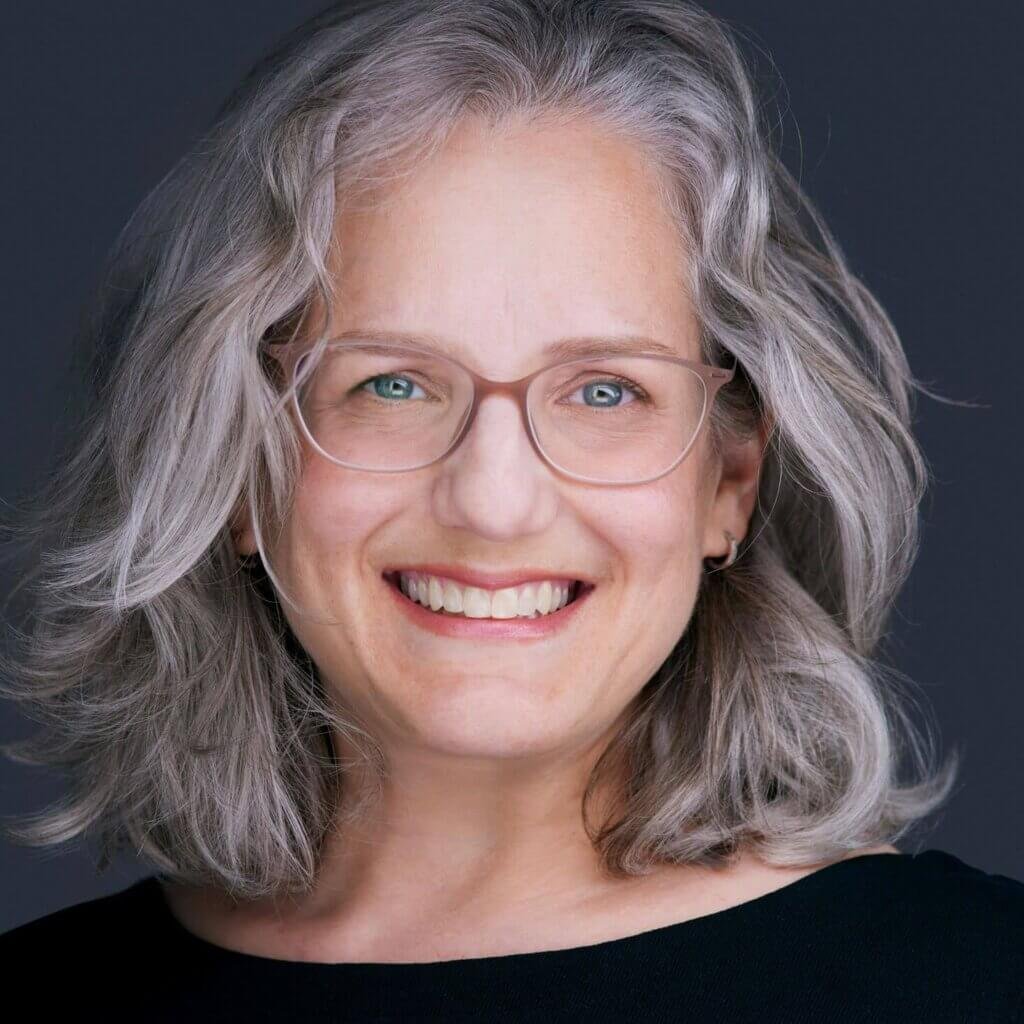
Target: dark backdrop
<point>900,119</point>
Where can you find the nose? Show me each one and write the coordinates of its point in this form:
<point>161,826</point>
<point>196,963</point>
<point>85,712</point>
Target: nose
<point>495,483</point>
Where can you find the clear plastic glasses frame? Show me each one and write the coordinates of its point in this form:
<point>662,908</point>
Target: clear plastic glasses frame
<point>291,359</point>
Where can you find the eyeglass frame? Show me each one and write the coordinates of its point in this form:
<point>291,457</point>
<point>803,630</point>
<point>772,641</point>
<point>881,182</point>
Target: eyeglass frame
<point>713,378</point>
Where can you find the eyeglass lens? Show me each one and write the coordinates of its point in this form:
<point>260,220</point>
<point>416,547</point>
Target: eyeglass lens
<point>617,419</point>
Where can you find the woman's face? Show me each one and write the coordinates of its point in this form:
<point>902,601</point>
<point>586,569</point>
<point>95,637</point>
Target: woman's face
<point>500,248</point>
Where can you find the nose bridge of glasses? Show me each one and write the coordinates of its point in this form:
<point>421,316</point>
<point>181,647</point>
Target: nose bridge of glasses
<point>513,390</point>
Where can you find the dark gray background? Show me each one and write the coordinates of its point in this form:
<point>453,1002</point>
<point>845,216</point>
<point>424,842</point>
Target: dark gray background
<point>901,120</point>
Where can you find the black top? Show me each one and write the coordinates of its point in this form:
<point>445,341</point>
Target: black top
<point>879,937</point>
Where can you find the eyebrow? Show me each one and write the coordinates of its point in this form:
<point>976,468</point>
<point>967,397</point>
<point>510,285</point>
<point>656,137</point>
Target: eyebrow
<point>562,348</point>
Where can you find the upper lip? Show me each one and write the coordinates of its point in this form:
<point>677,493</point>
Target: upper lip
<point>488,580</point>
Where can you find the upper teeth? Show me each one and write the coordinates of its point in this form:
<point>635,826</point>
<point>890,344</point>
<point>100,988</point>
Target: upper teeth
<point>436,592</point>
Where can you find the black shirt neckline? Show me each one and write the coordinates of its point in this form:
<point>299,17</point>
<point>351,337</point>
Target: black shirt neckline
<point>747,916</point>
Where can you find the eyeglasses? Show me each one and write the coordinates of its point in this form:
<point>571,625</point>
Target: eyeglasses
<point>613,418</point>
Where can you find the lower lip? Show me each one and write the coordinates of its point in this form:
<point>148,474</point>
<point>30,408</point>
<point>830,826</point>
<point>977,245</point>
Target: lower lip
<point>497,629</point>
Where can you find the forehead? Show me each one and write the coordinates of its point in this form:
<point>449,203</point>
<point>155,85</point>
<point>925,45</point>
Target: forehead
<point>510,243</point>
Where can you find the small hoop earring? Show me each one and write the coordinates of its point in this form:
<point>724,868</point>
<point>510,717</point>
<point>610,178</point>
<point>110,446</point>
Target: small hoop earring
<point>726,560</point>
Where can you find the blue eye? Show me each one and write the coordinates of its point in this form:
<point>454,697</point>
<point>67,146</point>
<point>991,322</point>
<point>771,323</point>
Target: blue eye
<point>390,391</point>
<point>610,390</point>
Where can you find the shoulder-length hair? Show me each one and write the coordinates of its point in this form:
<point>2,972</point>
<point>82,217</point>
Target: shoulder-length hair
<point>195,730</point>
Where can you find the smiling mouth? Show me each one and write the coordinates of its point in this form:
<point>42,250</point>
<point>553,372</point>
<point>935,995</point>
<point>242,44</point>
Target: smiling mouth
<point>474,603</point>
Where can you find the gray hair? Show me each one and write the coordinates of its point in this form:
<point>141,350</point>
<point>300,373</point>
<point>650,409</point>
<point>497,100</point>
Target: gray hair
<point>194,728</point>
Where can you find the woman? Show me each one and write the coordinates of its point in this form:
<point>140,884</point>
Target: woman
<point>572,482</point>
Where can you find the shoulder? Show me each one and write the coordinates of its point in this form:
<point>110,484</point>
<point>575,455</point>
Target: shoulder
<point>968,908</point>
<point>78,932</point>
<point>930,891</point>
<point>109,956</point>
<point>935,886</point>
<point>933,927</point>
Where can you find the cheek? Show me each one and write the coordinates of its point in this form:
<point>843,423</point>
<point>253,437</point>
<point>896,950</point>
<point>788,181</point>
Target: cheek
<point>653,536</point>
<point>336,508</point>
<point>656,529</point>
<point>335,514</point>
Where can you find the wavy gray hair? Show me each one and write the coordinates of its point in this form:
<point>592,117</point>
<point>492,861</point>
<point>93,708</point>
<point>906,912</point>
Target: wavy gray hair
<point>195,729</point>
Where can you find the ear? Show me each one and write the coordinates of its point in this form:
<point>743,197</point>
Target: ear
<point>732,503</point>
<point>242,535</point>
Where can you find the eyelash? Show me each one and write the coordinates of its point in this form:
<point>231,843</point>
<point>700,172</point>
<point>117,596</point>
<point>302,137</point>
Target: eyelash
<point>639,393</point>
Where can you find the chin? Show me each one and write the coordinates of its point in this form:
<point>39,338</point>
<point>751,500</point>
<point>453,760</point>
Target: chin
<point>489,716</point>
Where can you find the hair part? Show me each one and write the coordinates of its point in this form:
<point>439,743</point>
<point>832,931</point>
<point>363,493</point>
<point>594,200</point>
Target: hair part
<point>193,727</point>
